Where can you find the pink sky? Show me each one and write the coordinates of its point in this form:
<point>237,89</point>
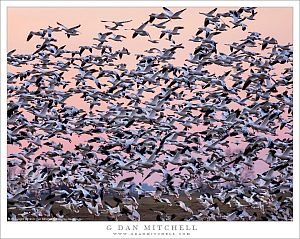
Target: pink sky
<point>274,22</point>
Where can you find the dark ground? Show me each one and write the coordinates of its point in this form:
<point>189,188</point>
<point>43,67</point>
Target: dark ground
<point>147,206</point>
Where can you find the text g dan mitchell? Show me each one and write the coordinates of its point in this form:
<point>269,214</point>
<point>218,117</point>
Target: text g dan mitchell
<point>156,227</point>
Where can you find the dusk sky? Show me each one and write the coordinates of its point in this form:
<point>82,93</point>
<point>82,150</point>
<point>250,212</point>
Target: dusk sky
<point>275,22</point>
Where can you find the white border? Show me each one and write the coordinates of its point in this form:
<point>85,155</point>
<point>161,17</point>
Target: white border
<point>97,229</point>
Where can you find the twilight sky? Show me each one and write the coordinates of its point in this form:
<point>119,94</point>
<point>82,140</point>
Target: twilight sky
<point>274,22</point>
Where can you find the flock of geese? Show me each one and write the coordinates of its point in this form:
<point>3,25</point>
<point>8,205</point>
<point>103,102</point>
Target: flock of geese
<point>172,124</point>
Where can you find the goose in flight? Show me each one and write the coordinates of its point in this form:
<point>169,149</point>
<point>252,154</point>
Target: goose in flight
<point>167,14</point>
<point>118,23</point>
<point>285,155</point>
<point>39,33</point>
<point>43,33</point>
<point>267,41</point>
<point>120,186</point>
<point>170,33</point>
<point>184,207</point>
<point>117,37</point>
<point>113,212</point>
<point>102,37</point>
<point>146,162</point>
<point>172,15</point>
<point>239,23</point>
<point>263,126</point>
<point>72,31</point>
<point>161,24</point>
<point>210,13</point>
<point>140,30</point>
